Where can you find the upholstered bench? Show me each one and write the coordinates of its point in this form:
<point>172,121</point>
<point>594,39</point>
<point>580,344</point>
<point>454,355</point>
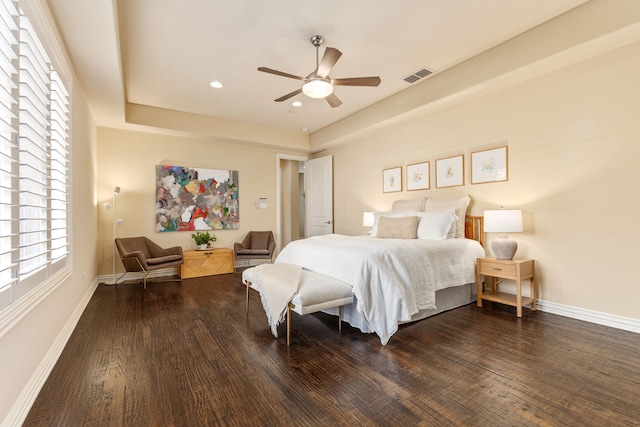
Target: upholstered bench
<point>315,292</point>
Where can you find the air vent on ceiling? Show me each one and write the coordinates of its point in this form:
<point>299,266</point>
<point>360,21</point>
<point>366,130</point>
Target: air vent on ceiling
<point>420,74</point>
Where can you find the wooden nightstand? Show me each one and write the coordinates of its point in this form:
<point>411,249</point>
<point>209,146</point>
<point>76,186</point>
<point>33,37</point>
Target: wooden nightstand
<point>514,269</point>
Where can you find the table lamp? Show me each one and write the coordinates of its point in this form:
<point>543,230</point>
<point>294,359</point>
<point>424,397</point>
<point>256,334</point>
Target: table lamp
<point>503,221</point>
<point>367,219</point>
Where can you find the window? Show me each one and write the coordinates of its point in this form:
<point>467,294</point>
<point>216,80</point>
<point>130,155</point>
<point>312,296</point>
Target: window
<point>34,160</point>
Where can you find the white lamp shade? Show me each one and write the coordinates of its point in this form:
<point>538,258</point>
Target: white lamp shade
<point>367,219</point>
<point>503,221</point>
<point>317,88</point>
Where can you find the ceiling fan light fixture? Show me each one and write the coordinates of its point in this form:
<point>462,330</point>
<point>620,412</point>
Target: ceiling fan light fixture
<point>317,87</point>
<point>318,84</point>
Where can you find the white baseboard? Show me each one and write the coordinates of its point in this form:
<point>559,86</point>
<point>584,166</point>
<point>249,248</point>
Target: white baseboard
<point>20,409</point>
<point>597,317</point>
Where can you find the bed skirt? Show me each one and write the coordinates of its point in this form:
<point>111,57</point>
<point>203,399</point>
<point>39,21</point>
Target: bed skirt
<point>446,299</point>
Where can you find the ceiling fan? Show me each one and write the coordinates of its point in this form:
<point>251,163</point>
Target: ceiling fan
<point>318,84</point>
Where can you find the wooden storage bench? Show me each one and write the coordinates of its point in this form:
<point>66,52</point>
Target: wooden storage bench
<point>206,263</point>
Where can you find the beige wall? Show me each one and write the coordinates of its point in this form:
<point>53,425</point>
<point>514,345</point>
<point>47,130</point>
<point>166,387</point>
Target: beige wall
<point>573,170</point>
<point>128,159</point>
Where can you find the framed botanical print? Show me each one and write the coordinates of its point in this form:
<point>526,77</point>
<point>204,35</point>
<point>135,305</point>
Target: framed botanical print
<point>418,176</point>
<point>450,171</point>
<point>392,180</point>
<point>489,166</point>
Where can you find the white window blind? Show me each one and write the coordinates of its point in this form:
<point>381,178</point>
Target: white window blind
<point>59,168</point>
<point>34,160</point>
<point>34,147</point>
<point>9,148</point>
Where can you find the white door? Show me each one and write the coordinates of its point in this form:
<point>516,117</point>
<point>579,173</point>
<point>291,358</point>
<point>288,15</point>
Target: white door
<point>319,196</point>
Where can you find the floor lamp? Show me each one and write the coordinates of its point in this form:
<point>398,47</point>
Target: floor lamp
<point>116,222</point>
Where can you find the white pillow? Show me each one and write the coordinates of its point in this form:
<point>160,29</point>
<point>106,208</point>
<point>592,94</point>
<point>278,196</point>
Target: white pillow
<point>459,203</point>
<point>436,225</point>
<point>452,231</point>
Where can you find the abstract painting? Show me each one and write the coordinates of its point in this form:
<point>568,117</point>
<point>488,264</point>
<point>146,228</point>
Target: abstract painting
<point>190,199</point>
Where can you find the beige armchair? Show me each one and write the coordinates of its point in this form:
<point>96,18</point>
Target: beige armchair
<point>140,254</point>
<point>257,245</point>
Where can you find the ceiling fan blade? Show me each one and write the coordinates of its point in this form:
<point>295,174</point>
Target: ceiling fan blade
<point>333,100</point>
<point>279,73</point>
<point>357,81</point>
<point>289,95</point>
<point>329,59</point>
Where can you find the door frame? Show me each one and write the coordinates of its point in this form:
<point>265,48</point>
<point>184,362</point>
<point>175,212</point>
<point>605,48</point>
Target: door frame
<point>282,156</point>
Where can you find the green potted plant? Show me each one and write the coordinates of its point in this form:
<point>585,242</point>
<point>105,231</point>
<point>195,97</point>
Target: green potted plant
<point>203,239</point>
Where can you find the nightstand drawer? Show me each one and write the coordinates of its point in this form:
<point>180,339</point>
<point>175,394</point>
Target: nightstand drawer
<point>497,269</point>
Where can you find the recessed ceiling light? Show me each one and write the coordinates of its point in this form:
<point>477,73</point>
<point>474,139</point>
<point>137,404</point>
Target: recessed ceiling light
<point>304,130</point>
<point>296,103</point>
<point>215,84</point>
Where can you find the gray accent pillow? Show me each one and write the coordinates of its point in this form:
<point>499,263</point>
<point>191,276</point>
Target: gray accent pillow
<point>398,228</point>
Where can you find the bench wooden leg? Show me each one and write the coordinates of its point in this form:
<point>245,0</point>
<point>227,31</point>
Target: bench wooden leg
<point>246,305</point>
<point>340,318</point>
<point>288,323</point>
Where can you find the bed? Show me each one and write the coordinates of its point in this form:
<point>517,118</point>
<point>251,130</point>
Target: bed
<point>418,261</point>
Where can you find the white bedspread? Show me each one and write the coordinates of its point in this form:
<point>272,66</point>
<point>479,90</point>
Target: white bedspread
<point>392,278</point>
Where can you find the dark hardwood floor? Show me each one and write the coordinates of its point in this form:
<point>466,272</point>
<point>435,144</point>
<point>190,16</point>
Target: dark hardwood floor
<point>185,354</point>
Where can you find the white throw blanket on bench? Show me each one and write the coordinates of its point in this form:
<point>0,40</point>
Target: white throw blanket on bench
<point>277,285</point>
